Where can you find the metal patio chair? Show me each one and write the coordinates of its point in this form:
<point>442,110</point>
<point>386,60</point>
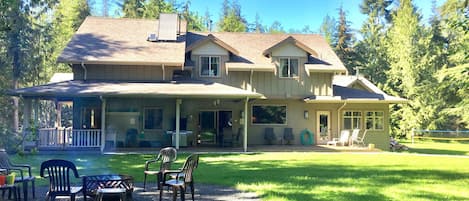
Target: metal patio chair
<point>166,157</point>
<point>24,171</point>
<point>182,178</point>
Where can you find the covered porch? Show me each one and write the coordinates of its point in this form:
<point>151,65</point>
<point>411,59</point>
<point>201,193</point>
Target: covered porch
<point>98,104</point>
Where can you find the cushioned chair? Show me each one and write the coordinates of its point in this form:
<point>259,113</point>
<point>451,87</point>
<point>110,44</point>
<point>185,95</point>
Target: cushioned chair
<point>23,173</point>
<point>166,157</point>
<point>58,172</point>
<point>182,178</point>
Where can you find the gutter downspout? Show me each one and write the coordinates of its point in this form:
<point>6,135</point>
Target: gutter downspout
<point>338,116</point>
<point>85,71</point>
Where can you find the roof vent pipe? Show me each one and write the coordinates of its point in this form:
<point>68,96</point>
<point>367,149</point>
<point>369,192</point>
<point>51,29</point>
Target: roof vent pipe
<point>84,69</point>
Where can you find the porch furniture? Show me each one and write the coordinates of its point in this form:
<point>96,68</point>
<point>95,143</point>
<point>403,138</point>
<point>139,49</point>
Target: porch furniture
<point>166,157</point>
<point>230,139</point>
<point>360,140</point>
<point>131,137</point>
<point>344,137</point>
<point>183,135</point>
<point>58,171</point>
<point>269,135</point>
<point>97,186</point>
<point>354,136</point>
<point>182,178</point>
<point>288,136</point>
<point>22,177</point>
<point>103,192</point>
<point>11,188</point>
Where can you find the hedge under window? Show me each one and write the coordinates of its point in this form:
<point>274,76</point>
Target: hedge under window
<point>269,114</point>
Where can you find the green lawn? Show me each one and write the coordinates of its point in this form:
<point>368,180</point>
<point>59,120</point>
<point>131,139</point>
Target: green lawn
<point>438,147</point>
<point>307,176</point>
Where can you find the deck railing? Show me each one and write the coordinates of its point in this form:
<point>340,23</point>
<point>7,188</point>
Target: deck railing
<point>68,137</point>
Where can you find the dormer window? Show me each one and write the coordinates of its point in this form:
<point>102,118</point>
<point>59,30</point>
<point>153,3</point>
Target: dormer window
<point>288,67</point>
<point>209,66</point>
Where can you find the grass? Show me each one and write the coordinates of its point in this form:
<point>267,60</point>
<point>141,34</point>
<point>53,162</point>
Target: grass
<point>438,147</point>
<point>306,176</point>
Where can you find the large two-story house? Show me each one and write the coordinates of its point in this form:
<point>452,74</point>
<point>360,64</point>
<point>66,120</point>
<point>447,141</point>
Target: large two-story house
<point>150,83</point>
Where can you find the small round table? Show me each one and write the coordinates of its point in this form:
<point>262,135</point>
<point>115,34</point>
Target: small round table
<point>102,192</point>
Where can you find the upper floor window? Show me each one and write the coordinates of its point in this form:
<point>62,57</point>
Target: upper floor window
<point>352,119</point>
<point>374,120</point>
<point>209,66</point>
<point>288,67</point>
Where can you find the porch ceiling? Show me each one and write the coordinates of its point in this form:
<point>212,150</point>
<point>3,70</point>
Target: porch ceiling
<point>172,89</point>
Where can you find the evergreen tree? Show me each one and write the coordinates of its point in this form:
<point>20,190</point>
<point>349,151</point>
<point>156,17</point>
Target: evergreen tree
<point>327,28</point>
<point>133,8</point>
<point>231,20</point>
<point>343,41</point>
<point>371,52</point>
<point>194,21</point>
<point>276,27</point>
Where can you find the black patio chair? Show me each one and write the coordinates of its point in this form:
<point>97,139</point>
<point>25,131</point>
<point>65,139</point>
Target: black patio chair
<point>166,157</point>
<point>229,139</point>
<point>182,178</point>
<point>288,136</point>
<point>22,178</point>
<point>58,171</point>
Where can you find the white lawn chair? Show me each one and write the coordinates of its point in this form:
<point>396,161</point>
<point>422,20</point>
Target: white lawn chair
<point>344,137</point>
<point>354,137</point>
<point>360,140</point>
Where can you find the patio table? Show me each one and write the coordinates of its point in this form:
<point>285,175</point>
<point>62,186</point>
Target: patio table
<point>92,183</point>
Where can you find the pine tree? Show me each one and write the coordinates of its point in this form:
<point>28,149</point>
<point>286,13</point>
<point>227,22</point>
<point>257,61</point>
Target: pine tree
<point>231,19</point>
<point>343,42</point>
<point>327,28</point>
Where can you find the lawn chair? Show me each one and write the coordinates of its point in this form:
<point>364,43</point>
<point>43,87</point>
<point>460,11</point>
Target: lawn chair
<point>167,156</point>
<point>269,135</point>
<point>288,136</point>
<point>344,138</point>
<point>22,178</point>
<point>58,171</point>
<point>360,140</point>
<point>182,178</point>
<point>354,136</point>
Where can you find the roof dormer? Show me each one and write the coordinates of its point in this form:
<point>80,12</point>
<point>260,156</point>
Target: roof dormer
<point>289,47</point>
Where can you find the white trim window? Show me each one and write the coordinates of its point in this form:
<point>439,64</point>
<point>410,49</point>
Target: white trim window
<point>352,119</point>
<point>209,66</point>
<point>153,118</point>
<point>269,114</point>
<point>374,120</point>
<point>288,67</point>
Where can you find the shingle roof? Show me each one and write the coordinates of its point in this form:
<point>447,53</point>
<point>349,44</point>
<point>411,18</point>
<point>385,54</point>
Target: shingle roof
<point>251,46</point>
<point>121,41</point>
<point>172,89</point>
<point>343,91</point>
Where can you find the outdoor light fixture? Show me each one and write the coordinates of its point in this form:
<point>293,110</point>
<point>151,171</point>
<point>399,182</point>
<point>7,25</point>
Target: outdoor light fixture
<point>306,114</point>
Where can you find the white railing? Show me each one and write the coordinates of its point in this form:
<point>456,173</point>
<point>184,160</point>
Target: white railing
<point>68,137</point>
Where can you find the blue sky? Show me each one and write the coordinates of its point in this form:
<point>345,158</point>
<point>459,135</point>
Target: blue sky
<point>295,14</point>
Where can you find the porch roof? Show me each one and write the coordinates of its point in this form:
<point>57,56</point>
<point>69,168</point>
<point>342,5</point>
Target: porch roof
<point>346,94</point>
<point>169,89</point>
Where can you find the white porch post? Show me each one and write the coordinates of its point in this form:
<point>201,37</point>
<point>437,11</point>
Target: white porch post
<point>103,123</point>
<point>245,136</point>
<point>178,116</point>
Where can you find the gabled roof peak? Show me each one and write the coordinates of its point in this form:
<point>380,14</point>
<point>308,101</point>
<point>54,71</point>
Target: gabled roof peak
<point>211,38</point>
<point>290,40</point>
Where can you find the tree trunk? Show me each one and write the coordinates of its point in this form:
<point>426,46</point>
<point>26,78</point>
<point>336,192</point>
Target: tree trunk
<point>15,121</point>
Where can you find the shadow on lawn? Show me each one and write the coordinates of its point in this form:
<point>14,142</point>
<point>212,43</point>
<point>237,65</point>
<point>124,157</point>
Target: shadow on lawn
<point>328,182</point>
